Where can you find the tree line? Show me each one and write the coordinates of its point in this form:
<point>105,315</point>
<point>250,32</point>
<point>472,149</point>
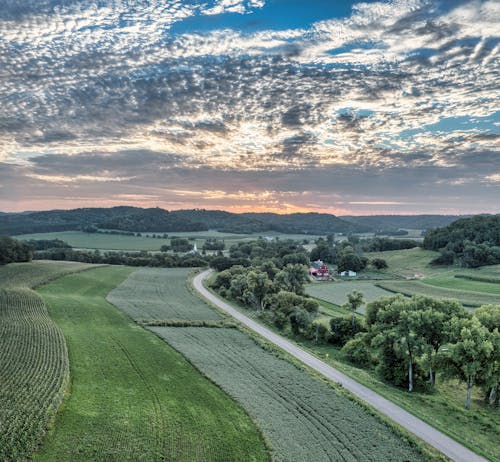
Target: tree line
<point>12,250</point>
<point>472,242</point>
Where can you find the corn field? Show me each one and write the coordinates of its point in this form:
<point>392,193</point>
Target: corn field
<point>34,366</point>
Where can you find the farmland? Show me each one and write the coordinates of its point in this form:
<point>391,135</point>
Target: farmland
<point>159,294</point>
<point>82,240</point>
<point>303,417</point>
<point>468,299</point>
<point>336,292</point>
<point>34,359</point>
<point>132,396</point>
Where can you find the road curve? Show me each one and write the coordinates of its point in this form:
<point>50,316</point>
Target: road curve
<point>435,438</point>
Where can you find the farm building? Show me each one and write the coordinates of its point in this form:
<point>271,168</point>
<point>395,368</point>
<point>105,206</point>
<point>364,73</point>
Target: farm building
<point>319,271</point>
<point>348,273</point>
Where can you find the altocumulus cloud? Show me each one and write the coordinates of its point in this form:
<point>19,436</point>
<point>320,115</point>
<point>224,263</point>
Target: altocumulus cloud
<point>145,100</point>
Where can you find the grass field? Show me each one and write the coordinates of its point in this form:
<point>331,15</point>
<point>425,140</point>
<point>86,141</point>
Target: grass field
<point>132,396</point>
<point>450,281</point>
<point>160,293</point>
<point>81,240</point>
<point>303,417</point>
<point>336,292</point>
<point>33,357</point>
<point>409,263</point>
<point>468,299</point>
<point>33,274</point>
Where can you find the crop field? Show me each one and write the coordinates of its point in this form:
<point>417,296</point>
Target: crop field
<point>101,241</point>
<point>461,283</point>
<point>160,293</point>
<point>133,397</point>
<point>33,360</point>
<point>468,299</point>
<point>303,417</point>
<point>336,292</point>
<point>36,273</point>
<point>81,240</point>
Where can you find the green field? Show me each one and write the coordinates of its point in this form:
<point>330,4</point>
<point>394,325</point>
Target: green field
<point>336,292</point>
<point>33,274</point>
<point>409,263</point>
<point>303,417</point>
<point>33,360</point>
<point>468,299</point>
<point>450,281</point>
<point>81,240</point>
<point>160,293</point>
<point>132,396</point>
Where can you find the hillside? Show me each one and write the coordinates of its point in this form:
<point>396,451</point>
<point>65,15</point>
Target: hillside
<point>395,222</point>
<point>136,219</point>
<point>160,220</point>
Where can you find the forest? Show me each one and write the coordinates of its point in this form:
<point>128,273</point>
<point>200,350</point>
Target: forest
<point>472,242</point>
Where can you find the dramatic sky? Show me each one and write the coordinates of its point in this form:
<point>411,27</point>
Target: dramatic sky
<point>251,105</point>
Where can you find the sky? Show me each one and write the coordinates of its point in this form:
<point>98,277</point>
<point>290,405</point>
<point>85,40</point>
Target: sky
<point>350,108</point>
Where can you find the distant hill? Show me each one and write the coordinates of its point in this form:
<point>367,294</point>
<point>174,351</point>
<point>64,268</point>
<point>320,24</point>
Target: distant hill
<point>380,223</point>
<point>308,223</point>
<point>136,219</point>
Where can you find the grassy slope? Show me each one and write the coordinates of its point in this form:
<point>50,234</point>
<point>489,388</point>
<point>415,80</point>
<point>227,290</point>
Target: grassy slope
<point>449,281</point>
<point>132,396</point>
<point>336,292</point>
<point>468,299</point>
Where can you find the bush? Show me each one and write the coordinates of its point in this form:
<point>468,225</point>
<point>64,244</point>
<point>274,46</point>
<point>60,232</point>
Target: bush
<point>357,351</point>
<point>379,263</point>
<point>342,330</point>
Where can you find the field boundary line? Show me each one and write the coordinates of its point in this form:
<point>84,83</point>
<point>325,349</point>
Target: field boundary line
<point>418,427</point>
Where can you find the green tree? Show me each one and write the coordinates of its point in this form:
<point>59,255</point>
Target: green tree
<point>260,285</point>
<point>489,317</point>
<point>292,278</point>
<point>468,355</point>
<point>354,300</point>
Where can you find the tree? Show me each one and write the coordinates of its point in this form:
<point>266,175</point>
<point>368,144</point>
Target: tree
<point>431,327</point>
<point>489,317</point>
<point>260,285</point>
<point>350,261</point>
<point>292,278</point>
<point>396,324</point>
<point>354,300</point>
<point>468,355</point>
<point>379,263</point>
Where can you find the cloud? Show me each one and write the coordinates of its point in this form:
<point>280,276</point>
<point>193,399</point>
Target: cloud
<point>91,87</point>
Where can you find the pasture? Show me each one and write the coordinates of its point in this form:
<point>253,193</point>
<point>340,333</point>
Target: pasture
<point>132,396</point>
<point>475,284</point>
<point>467,298</point>
<point>336,292</point>
<point>302,417</point>
<point>33,360</point>
<point>160,294</point>
<point>81,240</point>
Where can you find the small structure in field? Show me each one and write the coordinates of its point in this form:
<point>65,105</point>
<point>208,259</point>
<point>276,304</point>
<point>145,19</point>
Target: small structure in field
<point>319,271</point>
<point>348,273</point>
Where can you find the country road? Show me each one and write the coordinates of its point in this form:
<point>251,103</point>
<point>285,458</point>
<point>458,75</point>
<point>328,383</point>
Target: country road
<point>435,438</point>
